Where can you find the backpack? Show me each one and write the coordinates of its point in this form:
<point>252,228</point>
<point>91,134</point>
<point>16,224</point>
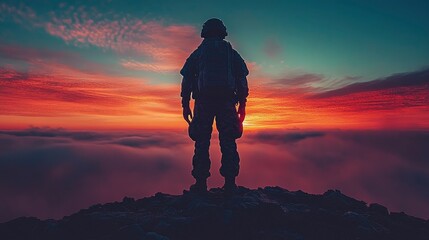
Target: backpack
<point>215,68</point>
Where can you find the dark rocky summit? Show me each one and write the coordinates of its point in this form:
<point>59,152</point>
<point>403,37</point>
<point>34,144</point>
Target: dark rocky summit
<point>268,213</point>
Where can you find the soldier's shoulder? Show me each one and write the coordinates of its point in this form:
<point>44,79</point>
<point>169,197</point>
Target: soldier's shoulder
<point>237,55</point>
<point>195,53</point>
<point>235,52</point>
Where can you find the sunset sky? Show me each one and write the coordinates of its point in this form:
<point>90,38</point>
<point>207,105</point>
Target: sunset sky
<point>339,99</point>
<point>115,64</point>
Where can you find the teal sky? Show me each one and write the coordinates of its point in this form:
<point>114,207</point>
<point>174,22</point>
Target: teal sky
<point>337,39</point>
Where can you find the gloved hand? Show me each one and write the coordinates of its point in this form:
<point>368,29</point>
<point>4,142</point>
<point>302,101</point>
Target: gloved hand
<point>242,111</point>
<point>187,114</point>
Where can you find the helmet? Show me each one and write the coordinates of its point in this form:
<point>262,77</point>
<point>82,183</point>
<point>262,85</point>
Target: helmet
<point>214,28</point>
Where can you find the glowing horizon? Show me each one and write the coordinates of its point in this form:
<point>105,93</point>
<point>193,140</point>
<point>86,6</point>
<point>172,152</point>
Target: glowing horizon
<point>91,101</point>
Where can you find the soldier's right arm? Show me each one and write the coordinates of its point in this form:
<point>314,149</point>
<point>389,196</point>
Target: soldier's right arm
<point>241,73</point>
<point>189,73</point>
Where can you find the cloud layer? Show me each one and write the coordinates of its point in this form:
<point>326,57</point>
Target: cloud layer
<point>49,173</point>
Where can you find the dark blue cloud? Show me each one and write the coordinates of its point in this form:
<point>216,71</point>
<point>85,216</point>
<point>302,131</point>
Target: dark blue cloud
<point>408,79</point>
<point>281,137</point>
<point>131,139</point>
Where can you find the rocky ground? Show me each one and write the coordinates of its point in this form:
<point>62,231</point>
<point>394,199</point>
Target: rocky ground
<point>264,213</point>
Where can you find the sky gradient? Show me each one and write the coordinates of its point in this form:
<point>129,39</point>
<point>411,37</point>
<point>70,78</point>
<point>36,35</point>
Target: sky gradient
<point>90,107</point>
<point>114,64</point>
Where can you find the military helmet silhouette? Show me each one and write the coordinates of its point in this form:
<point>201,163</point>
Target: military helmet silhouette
<point>214,27</point>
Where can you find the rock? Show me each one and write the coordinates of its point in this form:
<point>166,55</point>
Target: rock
<point>132,232</point>
<point>155,236</point>
<point>358,220</point>
<point>378,209</point>
<point>263,213</point>
<point>335,200</point>
<point>128,200</point>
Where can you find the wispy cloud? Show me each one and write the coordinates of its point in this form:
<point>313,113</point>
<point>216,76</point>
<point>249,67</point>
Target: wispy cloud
<point>148,45</point>
<point>43,60</point>
<point>144,66</point>
<point>272,48</point>
<point>10,74</point>
<point>19,13</point>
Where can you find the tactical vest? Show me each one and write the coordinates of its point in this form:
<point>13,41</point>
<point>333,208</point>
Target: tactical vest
<point>215,74</point>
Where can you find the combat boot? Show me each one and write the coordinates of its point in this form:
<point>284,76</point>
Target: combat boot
<point>200,186</point>
<point>230,187</point>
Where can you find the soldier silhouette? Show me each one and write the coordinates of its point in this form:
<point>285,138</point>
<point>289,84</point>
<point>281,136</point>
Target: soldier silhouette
<point>215,75</point>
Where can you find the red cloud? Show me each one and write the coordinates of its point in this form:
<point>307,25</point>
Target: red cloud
<point>44,60</point>
<point>69,97</point>
<point>400,103</point>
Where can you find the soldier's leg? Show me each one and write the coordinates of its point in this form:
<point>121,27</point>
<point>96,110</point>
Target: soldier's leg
<point>203,121</point>
<point>226,117</point>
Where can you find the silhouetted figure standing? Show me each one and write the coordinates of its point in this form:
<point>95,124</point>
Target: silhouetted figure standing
<point>215,74</point>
